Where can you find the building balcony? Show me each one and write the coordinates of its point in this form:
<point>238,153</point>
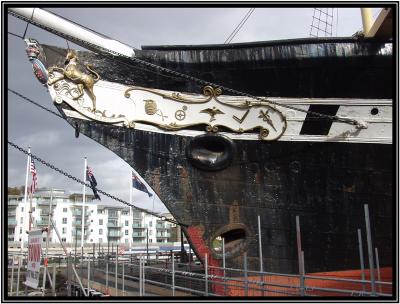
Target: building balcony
<point>138,227</point>
<point>138,235</point>
<point>12,213</point>
<point>78,233</point>
<point>79,223</point>
<point>113,225</point>
<point>163,229</point>
<point>46,202</point>
<point>78,213</point>
<point>165,235</point>
<point>41,223</point>
<point>136,216</point>
<point>114,235</point>
<point>112,215</point>
<point>12,203</point>
<point>12,222</point>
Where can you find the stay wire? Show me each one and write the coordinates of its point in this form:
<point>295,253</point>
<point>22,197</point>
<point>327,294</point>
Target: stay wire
<point>89,186</point>
<point>16,35</point>
<point>24,98</point>
<point>239,26</point>
<point>113,55</point>
<point>35,103</point>
<point>27,24</point>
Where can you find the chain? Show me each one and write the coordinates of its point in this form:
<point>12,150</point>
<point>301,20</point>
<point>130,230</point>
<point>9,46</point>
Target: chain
<point>87,185</point>
<point>35,103</point>
<point>159,154</point>
<point>115,54</point>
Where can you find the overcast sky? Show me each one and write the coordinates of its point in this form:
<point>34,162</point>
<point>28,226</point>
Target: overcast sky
<point>53,139</point>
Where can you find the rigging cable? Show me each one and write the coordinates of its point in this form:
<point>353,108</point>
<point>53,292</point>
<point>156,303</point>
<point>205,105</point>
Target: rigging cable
<point>27,24</point>
<point>89,186</point>
<point>239,26</point>
<point>114,54</point>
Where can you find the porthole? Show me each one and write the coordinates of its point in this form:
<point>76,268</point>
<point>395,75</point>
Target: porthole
<point>374,111</point>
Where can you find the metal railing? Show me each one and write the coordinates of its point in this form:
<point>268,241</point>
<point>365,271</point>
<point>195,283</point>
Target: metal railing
<point>136,275</point>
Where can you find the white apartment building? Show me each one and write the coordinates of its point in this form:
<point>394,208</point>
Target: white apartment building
<point>104,223</point>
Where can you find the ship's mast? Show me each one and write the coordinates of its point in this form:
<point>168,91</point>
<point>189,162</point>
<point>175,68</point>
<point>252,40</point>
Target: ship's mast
<point>367,20</point>
<point>76,33</point>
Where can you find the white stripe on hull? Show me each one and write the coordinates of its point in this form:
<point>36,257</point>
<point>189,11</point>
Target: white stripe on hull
<point>112,102</point>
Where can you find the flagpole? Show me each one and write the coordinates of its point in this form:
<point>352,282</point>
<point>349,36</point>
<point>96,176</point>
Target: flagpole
<point>130,210</point>
<point>30,209</point>
<point>25,199</point>
<point>24,216</point>
<point>83,205</point>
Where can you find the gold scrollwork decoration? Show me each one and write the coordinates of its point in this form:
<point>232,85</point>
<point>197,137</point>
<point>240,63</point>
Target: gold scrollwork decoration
<point>63,94</point>
<point>208,91</point>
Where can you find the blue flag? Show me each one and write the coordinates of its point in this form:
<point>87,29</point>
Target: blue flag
<point>93,183</point>
<point>137,184</point>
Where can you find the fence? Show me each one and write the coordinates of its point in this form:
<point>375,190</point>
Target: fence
<point>171,278</point>
<point>141,277</point>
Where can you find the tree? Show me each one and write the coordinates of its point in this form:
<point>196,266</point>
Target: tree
<point>14,190</point>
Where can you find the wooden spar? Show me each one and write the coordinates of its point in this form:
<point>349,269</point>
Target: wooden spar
<point>77,33</point>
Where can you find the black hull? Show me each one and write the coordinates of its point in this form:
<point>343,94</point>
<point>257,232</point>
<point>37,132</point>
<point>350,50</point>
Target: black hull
<point>326,184</point>
<point>303,68</point>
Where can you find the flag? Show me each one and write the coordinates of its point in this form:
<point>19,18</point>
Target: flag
<point>93,183</point>
<point>136,183</point>
<point>32,169</point>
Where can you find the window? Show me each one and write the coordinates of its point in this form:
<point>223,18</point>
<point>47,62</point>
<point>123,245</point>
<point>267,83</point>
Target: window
<point>151,241</point>
<point>22,209</point>
<point>44,239</point>
<point>126,232</point>
<point>91,221</point>
<point>64,220</point>
<point>100,221</point>
<point>150,224</point>
<point>65,209</point>
<point>33,209</point>
<point>21,220</point>
<point>91,240</point>
<point>63,240</point>
<point>99,211</point>
<point>20,230</point>
<point>126,223</point>
<point>151,232</point>
<point>125,212</point>
<point>126,241</point>
<point>100,240</point>
<point>100,231</point>
<point>91,230</point>
<point>64,230</point>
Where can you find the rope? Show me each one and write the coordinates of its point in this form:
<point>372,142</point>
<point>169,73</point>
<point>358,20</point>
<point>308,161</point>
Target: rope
<point>89,186</point>
<point>113,54</point>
